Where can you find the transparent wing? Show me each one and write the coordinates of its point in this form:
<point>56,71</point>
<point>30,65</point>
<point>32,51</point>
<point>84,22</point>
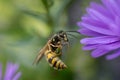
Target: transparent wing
<point>40,55</point>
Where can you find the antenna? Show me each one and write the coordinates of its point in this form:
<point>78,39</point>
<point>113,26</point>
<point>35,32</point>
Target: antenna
<point>73,32</point>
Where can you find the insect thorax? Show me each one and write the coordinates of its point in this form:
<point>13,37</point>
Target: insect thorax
<point>59,38</point>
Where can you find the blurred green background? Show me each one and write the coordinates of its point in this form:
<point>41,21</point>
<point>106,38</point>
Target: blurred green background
<point>25,27</point>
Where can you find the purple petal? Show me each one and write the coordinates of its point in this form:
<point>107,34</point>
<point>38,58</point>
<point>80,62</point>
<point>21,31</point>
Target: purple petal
<point>90,47</point>
<point>113,56</point>
<point>114,28</point>
<point>101,9</point>
<point>117,21</point>
<point>104,49</point>
<point>99,52</point>
<point>15,68</point>
<point>99,16</point>
<point>112,46</point>
<point>102,25</point>
<point>88,32</point>
<point>10,71</point>
<point>115,8</point>
<point>79,24</point>
<point>111,26</point>
<point>17,76</point>
<point>108,5</point>
<point>100,40</point>
<point>90,14</point>
<point>96,23</point>
<point>97,29</point>
<point>0,71</point>
<point>118,1</point>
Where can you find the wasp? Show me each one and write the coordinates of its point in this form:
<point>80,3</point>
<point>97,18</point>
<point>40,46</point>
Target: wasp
<point>54,60</point>
<point>53,49</point>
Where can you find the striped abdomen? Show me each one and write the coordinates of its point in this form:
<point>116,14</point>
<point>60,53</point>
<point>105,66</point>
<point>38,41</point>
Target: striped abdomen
<point>54,61</point>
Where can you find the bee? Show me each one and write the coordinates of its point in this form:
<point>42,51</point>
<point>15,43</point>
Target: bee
<point>53,49</point>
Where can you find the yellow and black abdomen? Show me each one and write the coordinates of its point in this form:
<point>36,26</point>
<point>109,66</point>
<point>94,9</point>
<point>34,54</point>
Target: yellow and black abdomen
<point>55,61</point>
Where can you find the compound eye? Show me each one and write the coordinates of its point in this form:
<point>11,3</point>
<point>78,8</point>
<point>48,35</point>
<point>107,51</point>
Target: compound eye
<point>65,38</point>
<point>53,39</point>
<point>64,35</point>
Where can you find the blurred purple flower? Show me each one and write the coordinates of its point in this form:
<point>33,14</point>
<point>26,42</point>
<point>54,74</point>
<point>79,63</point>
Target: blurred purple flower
<point>102,26</point>
<point>11,72</point>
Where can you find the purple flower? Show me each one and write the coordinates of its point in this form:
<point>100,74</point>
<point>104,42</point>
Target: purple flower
<point>101,25</point>
<point>11,72</point>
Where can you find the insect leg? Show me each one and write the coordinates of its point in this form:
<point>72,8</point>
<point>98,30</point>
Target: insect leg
<point>58,51</point>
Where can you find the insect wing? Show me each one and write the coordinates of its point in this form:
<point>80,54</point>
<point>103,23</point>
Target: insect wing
<point>40,55</point>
